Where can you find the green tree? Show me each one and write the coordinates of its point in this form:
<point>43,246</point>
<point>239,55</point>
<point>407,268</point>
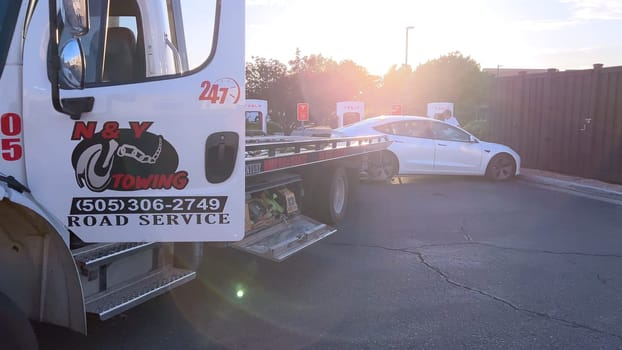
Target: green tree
<point>261,75</point>
<point>322,82</point>
<point>451,78</point>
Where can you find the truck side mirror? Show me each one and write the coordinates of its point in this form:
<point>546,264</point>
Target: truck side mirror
<point>71,70</point>
<point>75,14</point>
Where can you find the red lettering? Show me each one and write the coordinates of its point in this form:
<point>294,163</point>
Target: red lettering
<point>116,180</point>
<point>128,182</point>
<point>110,130</point>
<point>165,181</point>
<point>273,164</point>
<point>143,183</point>
<point>11,124</point>
<point>180,181</point>
<point>206,85</point>
<point>140,128</point>
<point>83,130</point>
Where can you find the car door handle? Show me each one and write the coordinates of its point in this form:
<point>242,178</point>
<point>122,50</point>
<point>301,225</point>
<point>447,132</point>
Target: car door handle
<point>442,144</point>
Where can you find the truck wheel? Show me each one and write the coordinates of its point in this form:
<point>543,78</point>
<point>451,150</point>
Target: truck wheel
<point>331,202</point>
<point>15,329</point>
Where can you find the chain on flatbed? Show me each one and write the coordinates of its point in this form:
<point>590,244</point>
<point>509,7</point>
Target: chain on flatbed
<point>264,155</point>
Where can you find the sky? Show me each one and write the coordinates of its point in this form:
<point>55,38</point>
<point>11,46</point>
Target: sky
<point>563,34</point>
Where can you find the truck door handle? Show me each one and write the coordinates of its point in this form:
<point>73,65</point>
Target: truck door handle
<point>221,151</point>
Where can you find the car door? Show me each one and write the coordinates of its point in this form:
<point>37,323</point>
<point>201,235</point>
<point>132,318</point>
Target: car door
<point>159,155</point>
<point>456,153</point>
<point>413,147</point>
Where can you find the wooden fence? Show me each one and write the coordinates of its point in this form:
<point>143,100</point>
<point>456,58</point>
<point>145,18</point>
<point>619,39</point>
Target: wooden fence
<point>568,122</point>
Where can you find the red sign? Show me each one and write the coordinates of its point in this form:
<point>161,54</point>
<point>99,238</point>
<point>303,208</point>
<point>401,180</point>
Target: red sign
<point>303,112</point>
<point>396,109</point>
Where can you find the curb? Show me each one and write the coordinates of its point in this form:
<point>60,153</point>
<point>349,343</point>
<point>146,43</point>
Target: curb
<point>595,192</point>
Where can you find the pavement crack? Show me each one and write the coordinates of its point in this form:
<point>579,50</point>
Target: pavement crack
<point>508,303</point>
<point>421,258</point>
<point>525,250</point>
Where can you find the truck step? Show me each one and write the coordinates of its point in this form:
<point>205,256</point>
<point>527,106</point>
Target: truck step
<point>114,302</point>
<point>281,241</point>
<point>96,255</point>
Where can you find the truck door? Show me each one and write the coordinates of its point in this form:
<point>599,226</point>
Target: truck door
<point>150,142</point>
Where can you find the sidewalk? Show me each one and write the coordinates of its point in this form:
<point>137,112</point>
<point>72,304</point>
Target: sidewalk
<point>588,187</point>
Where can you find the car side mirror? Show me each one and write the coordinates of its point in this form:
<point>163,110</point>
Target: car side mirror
<point>473,139</point>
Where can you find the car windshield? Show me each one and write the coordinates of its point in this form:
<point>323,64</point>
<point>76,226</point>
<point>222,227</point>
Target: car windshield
<point>9,10</point>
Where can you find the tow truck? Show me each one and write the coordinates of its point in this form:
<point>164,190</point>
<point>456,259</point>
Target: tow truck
<point>123,153</point>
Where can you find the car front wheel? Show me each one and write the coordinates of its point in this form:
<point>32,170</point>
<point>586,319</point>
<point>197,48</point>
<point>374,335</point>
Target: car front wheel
<point>501,167</point>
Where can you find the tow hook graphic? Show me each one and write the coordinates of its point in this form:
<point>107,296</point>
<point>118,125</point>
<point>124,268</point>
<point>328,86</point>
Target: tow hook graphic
<point>94,166</point>
<point>88,172</point>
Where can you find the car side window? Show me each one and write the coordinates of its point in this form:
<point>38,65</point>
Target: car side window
<point>390,128</point>
<point>401,128</point>
<point>422,129</point>
<point>449,133</point>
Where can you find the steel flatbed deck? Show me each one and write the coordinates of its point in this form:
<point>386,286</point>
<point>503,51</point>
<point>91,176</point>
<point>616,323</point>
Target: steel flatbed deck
<point>270,154</point>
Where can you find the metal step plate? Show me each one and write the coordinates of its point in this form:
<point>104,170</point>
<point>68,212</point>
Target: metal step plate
<point>109,304</point>
<point>101,254</point>
<point>279,242</point>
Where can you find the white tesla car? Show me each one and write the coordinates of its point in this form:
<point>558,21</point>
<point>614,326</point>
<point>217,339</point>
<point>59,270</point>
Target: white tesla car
<point>428,146</point>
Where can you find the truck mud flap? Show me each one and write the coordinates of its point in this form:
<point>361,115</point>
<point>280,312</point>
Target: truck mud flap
<point>282,240</point>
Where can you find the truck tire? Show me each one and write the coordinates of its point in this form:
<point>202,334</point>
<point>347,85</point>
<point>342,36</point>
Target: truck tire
<point>15,330</point>
<point>331,202</point>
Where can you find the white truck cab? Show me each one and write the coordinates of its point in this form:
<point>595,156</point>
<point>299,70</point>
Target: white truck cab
<point>143,98</point>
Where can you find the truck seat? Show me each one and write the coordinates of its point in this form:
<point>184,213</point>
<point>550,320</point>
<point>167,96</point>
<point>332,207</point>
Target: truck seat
<point>120,55</point>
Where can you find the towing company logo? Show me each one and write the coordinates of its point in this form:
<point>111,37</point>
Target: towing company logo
<point>128,159</point>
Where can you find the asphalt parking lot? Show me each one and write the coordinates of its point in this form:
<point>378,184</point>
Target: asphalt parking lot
<point>432,263</point>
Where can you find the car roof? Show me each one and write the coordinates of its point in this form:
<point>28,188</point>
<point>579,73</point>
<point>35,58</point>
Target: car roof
<point>370,122</point>
<point>390,118</point>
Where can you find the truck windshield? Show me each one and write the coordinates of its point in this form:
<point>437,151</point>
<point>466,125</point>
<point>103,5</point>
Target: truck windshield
<point>9,10</point>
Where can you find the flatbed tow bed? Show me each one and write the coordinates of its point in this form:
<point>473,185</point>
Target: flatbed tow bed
<point>264,155</point>
<point>300,164</point>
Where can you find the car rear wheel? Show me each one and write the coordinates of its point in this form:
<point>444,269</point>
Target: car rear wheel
<point>501,167</point>
<point>382,166</point>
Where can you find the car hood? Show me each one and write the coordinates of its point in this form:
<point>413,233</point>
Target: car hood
<point>498,148</point>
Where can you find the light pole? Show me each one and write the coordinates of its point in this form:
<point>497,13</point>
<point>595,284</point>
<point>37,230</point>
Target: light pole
<point>407,29</point>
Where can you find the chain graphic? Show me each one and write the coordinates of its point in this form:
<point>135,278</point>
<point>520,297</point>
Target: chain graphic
<point>135,153</point>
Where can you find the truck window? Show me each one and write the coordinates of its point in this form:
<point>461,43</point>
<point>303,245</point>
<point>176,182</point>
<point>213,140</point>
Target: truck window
<point>9,9</point>
<point>139,40</point>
